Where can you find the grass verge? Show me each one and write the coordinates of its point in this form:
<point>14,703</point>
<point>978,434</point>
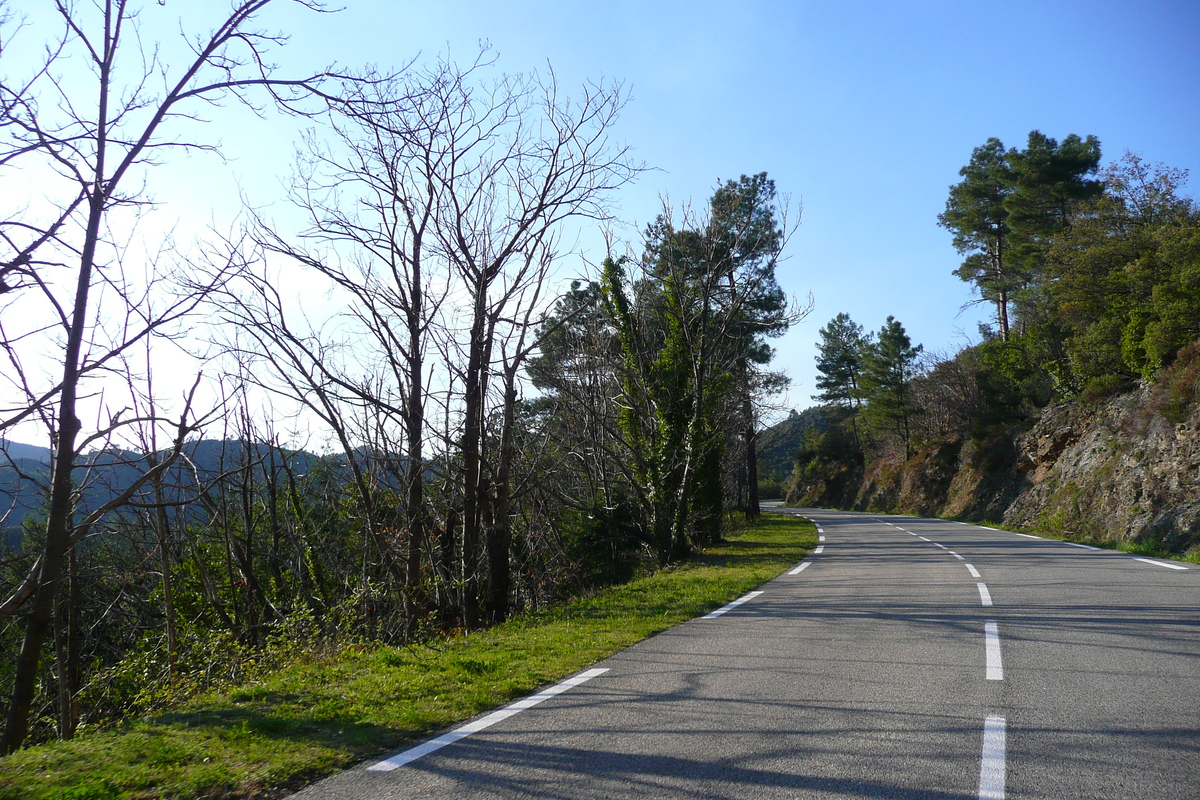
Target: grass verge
<point>309,720</point>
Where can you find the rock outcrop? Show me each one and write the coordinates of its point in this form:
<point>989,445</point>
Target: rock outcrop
<point>1125,468</point>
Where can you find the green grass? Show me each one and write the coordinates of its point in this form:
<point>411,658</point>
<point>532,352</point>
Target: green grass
<point>309,720</point>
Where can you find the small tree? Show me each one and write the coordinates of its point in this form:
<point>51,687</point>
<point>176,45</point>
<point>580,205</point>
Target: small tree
<point>840,355</point>
<point>888,372</point>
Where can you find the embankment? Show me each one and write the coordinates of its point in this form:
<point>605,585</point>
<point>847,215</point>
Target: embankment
<point>1125,468</point>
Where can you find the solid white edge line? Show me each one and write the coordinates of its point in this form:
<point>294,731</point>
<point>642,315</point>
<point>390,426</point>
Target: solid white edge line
<point>820,549</point>
<point>1160,563</point>
<point>732,605</point>
<point>800,568</point>
<point>974,572</point>
<point>413,753</point>
<point>991,646</point>
<point>985,596</point>
<point>991,764</point>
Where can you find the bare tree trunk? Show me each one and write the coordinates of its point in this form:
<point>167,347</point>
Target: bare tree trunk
<point>472,440</point>
<point>67,651</point>
<point>162,529</point>
<point>752,499</point>
<point>62,489</point>
<point>499,540</point>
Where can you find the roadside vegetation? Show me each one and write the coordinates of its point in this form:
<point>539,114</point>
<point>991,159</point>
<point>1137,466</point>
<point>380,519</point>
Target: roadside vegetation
<point>409,425</point>
<point>331,708</point>
<point>1092,275</point>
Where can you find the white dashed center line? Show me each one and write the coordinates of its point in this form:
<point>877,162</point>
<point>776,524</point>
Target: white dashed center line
<point>820,549</point>
<point>985,596</point>
<point>991,766</point>
<point>991,644</point>
<point>820,538</point>
<point>974,572</point>
<point>1026,535</point>
<point>1082,546</point>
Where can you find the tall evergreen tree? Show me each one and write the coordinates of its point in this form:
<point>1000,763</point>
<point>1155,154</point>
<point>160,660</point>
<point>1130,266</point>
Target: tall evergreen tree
<point>977,214</point>
<point>888,372</point>
<point>840,361</point>
<point>1049,182</point>
<point>1008,205</point>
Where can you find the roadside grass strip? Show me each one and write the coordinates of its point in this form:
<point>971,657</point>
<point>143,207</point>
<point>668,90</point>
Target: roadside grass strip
<point>327,712</point>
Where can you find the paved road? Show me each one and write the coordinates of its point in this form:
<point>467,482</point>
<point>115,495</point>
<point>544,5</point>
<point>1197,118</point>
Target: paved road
<point>905,658</point>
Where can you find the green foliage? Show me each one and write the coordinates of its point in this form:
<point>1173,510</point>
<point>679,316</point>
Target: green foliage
<point>293,725</point>
<point>1009,205</point>
<point>1181,384</point>
<point>778,444</point>
<point>840,355</point>
<point>889,367</point>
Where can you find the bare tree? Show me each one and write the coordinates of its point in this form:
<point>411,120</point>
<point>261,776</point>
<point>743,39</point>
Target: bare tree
<point>434,212</point>
<point>99,111</point>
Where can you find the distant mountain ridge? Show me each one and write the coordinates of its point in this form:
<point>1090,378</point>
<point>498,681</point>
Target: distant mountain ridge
<point>104,474</point>
<point>778,444</point>
<point>30,452</point>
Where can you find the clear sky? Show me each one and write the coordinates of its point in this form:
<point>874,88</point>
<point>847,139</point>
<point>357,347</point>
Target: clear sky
<point>862,112</point>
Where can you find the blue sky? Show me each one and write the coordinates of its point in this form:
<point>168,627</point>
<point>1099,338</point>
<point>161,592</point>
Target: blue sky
<point>862,112</point>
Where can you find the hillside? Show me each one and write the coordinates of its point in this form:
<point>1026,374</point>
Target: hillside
<point>106,473</point>
<point>777,445</point>
<point>1122,469</point>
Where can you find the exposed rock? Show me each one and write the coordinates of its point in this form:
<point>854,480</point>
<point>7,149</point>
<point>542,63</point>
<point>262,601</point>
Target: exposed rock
<point>1119,470</point>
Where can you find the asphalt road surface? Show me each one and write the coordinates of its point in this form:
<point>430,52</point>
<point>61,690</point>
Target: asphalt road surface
<point>905,658</point>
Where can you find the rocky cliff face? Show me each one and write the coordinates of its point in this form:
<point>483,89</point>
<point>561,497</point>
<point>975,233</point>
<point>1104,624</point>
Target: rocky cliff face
<point>1122,470</point>
<point>1127,468</point>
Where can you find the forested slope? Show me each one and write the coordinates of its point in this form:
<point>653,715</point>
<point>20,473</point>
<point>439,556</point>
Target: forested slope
<point>1077,411</point>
